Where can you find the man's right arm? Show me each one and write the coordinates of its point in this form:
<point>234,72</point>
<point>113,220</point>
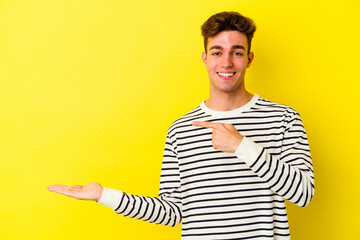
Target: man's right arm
<point>164,209</point>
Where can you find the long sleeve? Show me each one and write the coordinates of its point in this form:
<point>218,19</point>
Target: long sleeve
<point>164,209</point>
<point>290,175</point>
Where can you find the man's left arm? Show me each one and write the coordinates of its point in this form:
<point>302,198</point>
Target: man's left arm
<point>290,175</point>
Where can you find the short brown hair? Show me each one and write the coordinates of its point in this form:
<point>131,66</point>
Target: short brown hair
<point>228,21</point>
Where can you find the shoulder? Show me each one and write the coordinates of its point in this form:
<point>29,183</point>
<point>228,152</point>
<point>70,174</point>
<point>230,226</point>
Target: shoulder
<point>185,120</point>
<point>266,106</point>
<point>280,114</point>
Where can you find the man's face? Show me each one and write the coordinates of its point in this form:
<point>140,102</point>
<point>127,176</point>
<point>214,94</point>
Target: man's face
<point>226,61</point>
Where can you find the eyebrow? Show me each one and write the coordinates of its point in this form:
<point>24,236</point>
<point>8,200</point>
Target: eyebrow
<point>233,47</point>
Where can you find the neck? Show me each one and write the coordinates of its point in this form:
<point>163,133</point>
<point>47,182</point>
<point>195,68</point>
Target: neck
<point>228,101</point>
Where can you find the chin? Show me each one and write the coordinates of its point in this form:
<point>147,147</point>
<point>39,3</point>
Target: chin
<point>229,88</point>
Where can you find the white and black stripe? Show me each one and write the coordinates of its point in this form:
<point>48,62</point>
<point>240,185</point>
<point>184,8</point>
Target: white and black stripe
<point>220,195</point>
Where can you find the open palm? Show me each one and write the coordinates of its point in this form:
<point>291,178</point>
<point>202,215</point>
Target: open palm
<point>91,191</point>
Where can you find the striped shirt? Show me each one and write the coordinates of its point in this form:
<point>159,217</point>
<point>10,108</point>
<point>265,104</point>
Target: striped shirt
<point>225,196</point>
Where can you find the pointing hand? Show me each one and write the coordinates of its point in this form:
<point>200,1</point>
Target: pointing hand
<point>225,137</point>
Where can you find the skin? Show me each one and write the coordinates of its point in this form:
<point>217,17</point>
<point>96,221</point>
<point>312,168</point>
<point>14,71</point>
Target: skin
<point>225,137</point>
<point>226,53</point>
<point>92,191</point>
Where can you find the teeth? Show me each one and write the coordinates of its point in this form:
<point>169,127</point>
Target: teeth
<point>226,74</point>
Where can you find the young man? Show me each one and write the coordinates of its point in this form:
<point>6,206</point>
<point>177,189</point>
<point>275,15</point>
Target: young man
<point>229,164</point>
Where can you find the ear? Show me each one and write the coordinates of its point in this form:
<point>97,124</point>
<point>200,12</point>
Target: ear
<point>203,57</point>
<point>250,59</point>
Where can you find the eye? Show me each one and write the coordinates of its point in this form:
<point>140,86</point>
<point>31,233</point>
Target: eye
<point>238,54</point>
<point>216,53</point>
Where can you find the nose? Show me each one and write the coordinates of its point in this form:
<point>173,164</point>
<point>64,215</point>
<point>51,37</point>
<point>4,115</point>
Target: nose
<point>226,61</point>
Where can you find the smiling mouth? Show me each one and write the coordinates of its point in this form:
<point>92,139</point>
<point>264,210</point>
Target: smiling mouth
<point>226,75</point>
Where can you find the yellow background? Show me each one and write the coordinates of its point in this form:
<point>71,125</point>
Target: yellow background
<point>89,88</point>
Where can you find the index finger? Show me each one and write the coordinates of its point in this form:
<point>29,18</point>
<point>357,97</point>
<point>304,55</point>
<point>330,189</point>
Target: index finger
<point>205,124</point>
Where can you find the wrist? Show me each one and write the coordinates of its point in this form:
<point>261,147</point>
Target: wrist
<point>101,190</point>
<point>237,143</point>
